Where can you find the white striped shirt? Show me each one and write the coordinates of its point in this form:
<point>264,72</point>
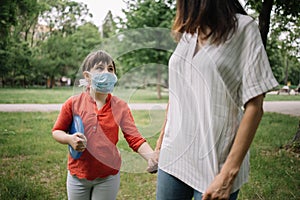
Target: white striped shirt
<point>206,94</point>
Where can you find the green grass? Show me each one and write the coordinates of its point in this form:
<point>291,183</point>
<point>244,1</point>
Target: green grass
<point>33,165</point>
<point>59,95</point>
<point>275,173</point>
<point>282,97</point>
<point>43,96</point>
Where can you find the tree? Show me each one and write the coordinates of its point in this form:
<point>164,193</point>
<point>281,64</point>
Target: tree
<point>149,45</point>
<point>287,10</point>
<point>109,26</point>
<point>282,55</point>
<point>64,16</point>
<point>62,55</point>
<point>20,54</point>
<point>12,47</point>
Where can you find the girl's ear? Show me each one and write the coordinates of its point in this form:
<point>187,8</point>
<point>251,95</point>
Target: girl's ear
<point>86,75</point>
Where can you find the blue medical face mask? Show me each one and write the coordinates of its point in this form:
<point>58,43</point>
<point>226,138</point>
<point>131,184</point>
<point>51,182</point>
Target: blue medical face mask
<point>103,82</point>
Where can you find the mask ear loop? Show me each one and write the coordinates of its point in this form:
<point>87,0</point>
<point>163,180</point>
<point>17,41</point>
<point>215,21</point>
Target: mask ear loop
<point>83,83</point>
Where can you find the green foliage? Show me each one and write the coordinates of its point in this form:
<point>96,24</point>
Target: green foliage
<point>36,54</point>
<point>285,64</point>
<point>26,55</point>
<point>147,13</point>
<point>7,19</point>
<point>281,7</point>
<point>64,16</point>
<point>146,42</point>
<point>62,55</point>
<point>109,26</point>
<point>14,50</point>
<point>17,66</point>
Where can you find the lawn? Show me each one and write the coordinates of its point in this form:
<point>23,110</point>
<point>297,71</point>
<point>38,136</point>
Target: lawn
<point>59,95</point>
<point>33,165</point>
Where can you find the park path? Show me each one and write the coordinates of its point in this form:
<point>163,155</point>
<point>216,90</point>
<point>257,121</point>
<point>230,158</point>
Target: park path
<point>283,107</point>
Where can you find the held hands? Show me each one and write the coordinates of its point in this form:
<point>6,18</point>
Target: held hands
<point>78,142</point>
<point>153,162</point>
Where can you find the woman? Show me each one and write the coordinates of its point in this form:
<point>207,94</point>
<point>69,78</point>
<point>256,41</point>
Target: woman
<point>95,174</point>
<point>218,75</point>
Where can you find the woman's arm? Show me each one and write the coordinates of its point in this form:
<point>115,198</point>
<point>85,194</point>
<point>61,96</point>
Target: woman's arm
<point>162,132</point>
<point>221,186</point>
<point>153,161</point>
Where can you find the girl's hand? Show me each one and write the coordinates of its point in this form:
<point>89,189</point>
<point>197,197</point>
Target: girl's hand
<point>219,189</point>
<point>78,142</point>
<point>153,162</point>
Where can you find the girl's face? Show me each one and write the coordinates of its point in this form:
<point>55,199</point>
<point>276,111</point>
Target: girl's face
<point>103,68</point>
<point>99,68</point>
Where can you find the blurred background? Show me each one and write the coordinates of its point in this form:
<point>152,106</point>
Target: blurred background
<point>43,42</point>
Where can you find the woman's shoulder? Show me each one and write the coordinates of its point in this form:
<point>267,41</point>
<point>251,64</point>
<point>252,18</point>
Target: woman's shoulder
<point>248,29</point>
<point>186,37</point>
<point>245,20</point>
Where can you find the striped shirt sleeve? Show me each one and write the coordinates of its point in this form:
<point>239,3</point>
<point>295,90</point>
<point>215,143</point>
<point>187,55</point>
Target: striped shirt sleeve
<point>257,75</point>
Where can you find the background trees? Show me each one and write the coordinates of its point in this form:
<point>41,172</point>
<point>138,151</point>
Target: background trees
<point>151,22</point>
<point>43,40</point>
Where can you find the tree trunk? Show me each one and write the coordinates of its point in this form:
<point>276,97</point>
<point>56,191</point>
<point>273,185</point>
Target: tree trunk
<point>158,83</point>
<point>294,145</point>
<point>264,20</point>
<point>50,82</point>
<point>297,136</point>
<point>286,79</point>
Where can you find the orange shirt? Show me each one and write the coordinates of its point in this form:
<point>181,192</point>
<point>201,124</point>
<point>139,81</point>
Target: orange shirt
<point>101,157</point>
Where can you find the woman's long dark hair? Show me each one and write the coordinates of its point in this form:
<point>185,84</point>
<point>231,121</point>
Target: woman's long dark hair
<point>217,16</point>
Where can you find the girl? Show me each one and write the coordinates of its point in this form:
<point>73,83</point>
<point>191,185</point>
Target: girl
<point>95,174</point>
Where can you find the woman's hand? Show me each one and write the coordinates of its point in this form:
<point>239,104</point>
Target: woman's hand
<point>221,186</point>
<point>78,142</point>
<point>219,189</point>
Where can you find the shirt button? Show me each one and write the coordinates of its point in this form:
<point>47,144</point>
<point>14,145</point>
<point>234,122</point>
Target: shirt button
<point>94,127</point>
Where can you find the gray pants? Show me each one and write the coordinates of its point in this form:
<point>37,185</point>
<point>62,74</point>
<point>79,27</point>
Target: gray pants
<point>98,189</point>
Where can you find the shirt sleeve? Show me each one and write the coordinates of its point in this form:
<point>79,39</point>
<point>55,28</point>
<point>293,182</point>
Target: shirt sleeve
<point>257,74</point>
<point>130,131</point>
<point>64,118</point>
